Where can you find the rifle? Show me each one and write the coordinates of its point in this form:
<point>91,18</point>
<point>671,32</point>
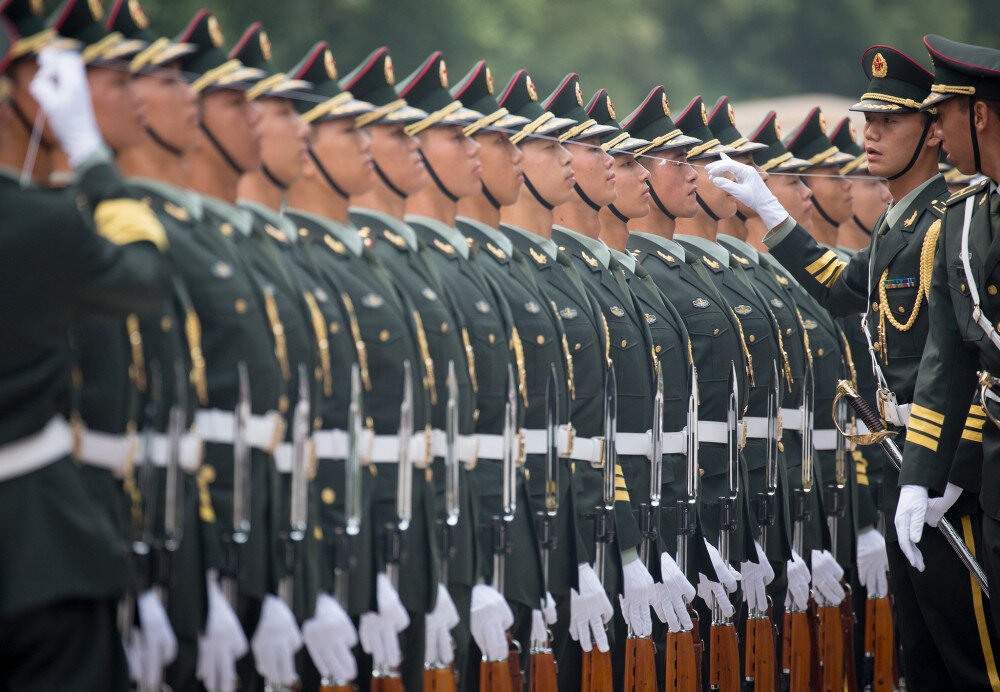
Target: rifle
<point>724,661</point>
<point>241,488</point>
<point>542,664</point>
<point>385,679</point>
<point>345,539</point>
<point>596,665</point>
<point>640,666</point>
<point>796,657</point>
<point>760,669</point>
<point>684,649</point>
<point>440,676</point>
<point>505,675</point>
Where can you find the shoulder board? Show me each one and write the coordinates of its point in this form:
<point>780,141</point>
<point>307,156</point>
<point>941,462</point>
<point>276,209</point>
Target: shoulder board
<point>742,260</point>
<point>393,238</point>
<point>962,194</point>
<point>665,257</point>
<point>937,208</point>
<point>444,247</point>
<point>781,280</point>
<point>276,233</point>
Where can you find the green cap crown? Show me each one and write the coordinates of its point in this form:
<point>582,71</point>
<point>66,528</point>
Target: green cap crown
<point>476,90</point>
<point>618,141</point>
<point>129,19</point>
<point>520,97</point>
<point>374,81</point>
<point>722,123</point>
<point>694,123</point>
<point>30,34</point>
<point>209,61</point>
<point>325,100</point>
<point>427,89</point>
<point>961,68</point>
<point>83,21</point>
<point>774,157</point>
<point>253,50</point>
<point>810,142</point>
<point>897,83</point>
<point>651,121</point>
<point>845,138</point>
<point>566,101</point>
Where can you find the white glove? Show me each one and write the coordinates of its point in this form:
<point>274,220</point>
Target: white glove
<point>748,188</point>
<point>672,595</point>
<point>639,594</point>
<point>390,606</point>
<point>154,644</point>
<point>275,642</point>
<point>589,610</point>
<point>797,574</point>
<point>756,576</point>
<point>222,644</point>
<point>60,87</point>
<point>712,592</point>
<point>937,506</point>
<point>438,625</point>
<point>910,514</point>
<point>329,636</point>
<point>873,563</point>
<point>725,573</point>
<point>489,619</point>
<point>540,620</point>
<point>380,640</point>
<point>826,575</point>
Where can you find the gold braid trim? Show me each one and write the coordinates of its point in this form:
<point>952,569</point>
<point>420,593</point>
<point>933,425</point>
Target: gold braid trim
<point>206,511</point>
<point>570,383</point>
<point>923,290</point>
<point>805,337</point>
<point>425,353</point>
<point>746,351</point>
<point>192,333</point>
<point>607,341</point>
<point>518,348</point>
<point>470,357</point>
<point>889,98</point>
<point>690,354</point>
<point>278,329</point>
<point>124,221</point>
<point>319,326</point>
<point>138,357</point>
<point>786,366</point>
<point>850,361</point>
<point>359,343</point>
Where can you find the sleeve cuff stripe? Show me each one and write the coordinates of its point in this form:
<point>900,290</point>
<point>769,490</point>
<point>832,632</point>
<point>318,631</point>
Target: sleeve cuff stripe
<point>972,436</point>
<point>622,496</point>
<point>834,268</point>
<point>924,426</point>
<point>923,412</point>
<point>922,440</point>
<point>824,260</point>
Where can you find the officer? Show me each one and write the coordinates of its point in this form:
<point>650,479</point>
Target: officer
<point>67,612</point>
<point>965,91</point>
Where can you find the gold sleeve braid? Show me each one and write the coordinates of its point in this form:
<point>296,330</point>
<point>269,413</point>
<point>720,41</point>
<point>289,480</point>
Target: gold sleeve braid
<point>518,348</point>
<point>470,358</point>
<point>278,330</point>
<point>138,357</point>
<point>192,333</point>
<point>359,343</point>
<point>124,221</point>
<point>746,351</point>
<point>319,327</point>
<point>429,384</point>
<point>923,290</point>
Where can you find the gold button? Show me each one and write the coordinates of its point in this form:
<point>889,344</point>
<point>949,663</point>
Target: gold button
<point>540,339</point>
<point>874,307</point>
<point>963,288</point>
<point>492,338</point>
<point>328,495</point>
<point>991,289</point>
<point>226,228</point>
<point>283,403</point>
<point>752,338</point>
<point>715,331</point>
<point>527,475</point>
<point>701,472</point>
<point>241,306</point>
<point>624,343</point>
<point>781,446</point>
<point>820,352</point>
<point>318,532</point>
<point>902,309</point>
<point>444,327</point>
<point>659,348</point>
<point>166,323</point>
<point>303,233</point>
<point>428,475</point>
<point>383,335</point>
<point>334,327</point>
<point>576,347</point>
<point>788,330</point>
<point>572,467</point>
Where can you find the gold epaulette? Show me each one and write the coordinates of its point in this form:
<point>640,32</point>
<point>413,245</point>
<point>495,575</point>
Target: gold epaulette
<point>965,192</point>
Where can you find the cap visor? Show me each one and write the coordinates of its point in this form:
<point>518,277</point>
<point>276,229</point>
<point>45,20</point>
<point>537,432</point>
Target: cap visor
<point>934,99</point>
<point>876,106</point>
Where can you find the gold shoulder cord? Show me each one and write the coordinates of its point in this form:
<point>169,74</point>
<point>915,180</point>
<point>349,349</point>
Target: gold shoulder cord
<point>138,357</point>
<point>425,353</point>
<point>746,351</point>
<point>192,334</point>
<point>690,354</point>
<point>470,357</point>
<point>850,360</point>
<point>319,326</point>
<point>278,329</point>
<point>518,348</point>
<point>923,290</point>
<point>786,366</point>
<point>805,337</point>
<point>359,343</point>
<point>607,341</point>
<point>570,382</point>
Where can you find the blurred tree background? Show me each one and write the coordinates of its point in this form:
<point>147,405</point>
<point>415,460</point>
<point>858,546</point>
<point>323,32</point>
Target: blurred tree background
<point>747,49</point>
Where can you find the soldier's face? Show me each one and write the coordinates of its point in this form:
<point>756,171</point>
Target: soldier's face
<point>345,152</point>
<point>501,160</point>
<point>952,127</point>
<point>869,198</point>
<point>631,191</point>
<point>454,158</point>
<point>170,105</point>
<point>720,202</point>
<point>891,139</point>
<point>20,75</point>
<point>398,154</point>
<point>593,169</point>
<point>794,195</point>
<point>549,166</point>
<point>235,123</point>
<point>674,181</point>
<point>283,139</point>
<point>832,191</point>
<point>117,107</point>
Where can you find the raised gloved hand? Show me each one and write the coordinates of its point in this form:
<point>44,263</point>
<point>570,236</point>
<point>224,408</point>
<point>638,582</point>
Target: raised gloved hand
<point>275,642</point>
<point>911,511</point>
<point>873,563</point>
<point>438,625</point>
<point>748,188</point>
<point>329,636</point>
<point>540,621</point>
<point>489,619</point>
<point>380,640</point>
<point>154,644</point>
<point>938,506</point>
<point>639,594</point>
<point>60,87</point>
<point>589,610</point>
<point>797,574</point>
<point>222,644</point>
<point>826,575</point>
<point>672,595</point>
<point>756,577</point>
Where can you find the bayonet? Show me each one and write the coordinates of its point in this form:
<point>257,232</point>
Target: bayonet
<point>502,524</point>
<point>604,522</point>
<point>547,518</point>
<point>451,475</point>
<point>299,486</point>
<point>346,538</point>
<point>404,482</point>
<point>649,513</point>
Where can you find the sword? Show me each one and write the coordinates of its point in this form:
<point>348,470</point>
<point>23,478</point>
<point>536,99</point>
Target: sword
<point>241,485</point>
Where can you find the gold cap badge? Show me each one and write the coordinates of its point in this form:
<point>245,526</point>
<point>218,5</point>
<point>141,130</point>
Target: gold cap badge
<point>850,128</point>
<point>96,9</point>
<point>443,74</point>
<point>822,124</point>
<point>532,94</point>
<point>732,115</point>
<point>611,107</point>
<point>665,103</point>
<point>777,129</point>
<point>579,93</point>
<point>879,66</point>
<point>215,32</point>
<point>390,75</point>
<point>489,80</point>
<point>328,62</point>
<point>138,15</point>
<point>36,7</point>
<point>265,46</point>
<point>704,114</point>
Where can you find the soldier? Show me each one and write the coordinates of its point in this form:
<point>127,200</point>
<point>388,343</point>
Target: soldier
<point>869,194</point>
<point>94,259</point>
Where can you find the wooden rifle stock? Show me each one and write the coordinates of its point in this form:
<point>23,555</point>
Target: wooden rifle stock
<point>386,683</point>
<point>830,647</point>
<point>640,666</point>
<point>339,688</point>
<point>683,658</point>
<point>847,634</point>
<point>440,679</point>
<point>596,671</point>
<point>494,676</point>
<point>796,652</point>
<point>879,645</point>
<point>543,672</point>
<point>760,665</point>
<point>724,658</point>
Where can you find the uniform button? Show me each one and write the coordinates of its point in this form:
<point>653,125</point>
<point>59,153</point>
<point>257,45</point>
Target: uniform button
<point>991,289</point>
<point>874,307</point>
<point>701,472</point>
<point>166,323</point>
<point>998,326</point>
<point>788,330</point>
<point>962,288</point>
<point>328,496</point>
<point>444,327</point>
<point>334,327</point>
<point>781,446</point>
<point>752,338</point>
<point>227,229</point>
<point>715,331</point>
<point>492,338</point>
<point>540,339</point>
<point>624,343</point>
<point>902,309</point>
<point>241,306</point>
<point>820,352</point>
<point>576,347</point>
<point>659,348</point>
<point>383,335</point>
<point>318,532</point>
<point>283,403</point>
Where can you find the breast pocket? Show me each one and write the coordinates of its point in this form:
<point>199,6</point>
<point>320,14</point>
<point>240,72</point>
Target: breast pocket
<point>961,301</point>
<point>901,303</point>
<point>710,339</point>
<point>631,357</point>
<point>489,344</point>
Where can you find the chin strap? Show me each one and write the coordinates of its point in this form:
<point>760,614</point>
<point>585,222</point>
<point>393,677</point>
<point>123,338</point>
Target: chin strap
<point>614,210</point>
<point>659,203</point>
<point>21,116</point>
<point>705,206</point>
<point>586,200</point>
<point>222,150</point>
<point>323,172</point>
<point>388,183</point>
<point>437,181</point>
<point>972,131</point>
<point>822,212</point>
<point>273,178</point>
<point>919,148</point>
<point>162,143</point>
<point>860,225</point>
<point>741,216</point>
<point>534,193</point>
<point>489,197</point>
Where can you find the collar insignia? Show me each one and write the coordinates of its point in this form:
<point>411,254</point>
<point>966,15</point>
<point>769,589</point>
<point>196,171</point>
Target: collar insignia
<point>588,259</point>
<point>663,256</point>
<point>276,233</point>
<point>742,260</point>
<point>396,240</point>
<point>497,252</point>
<point>226,229</point>
<point>909,221</point>
<point>539,257</point>
<point>335,245</point>
<point>444,247</point>
<point>782,280</point>
<point>742,309</point>
<point>179,213</point>
<point>712,263</point>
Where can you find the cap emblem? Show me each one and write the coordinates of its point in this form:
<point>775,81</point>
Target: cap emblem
<point>215,32</point>
<point>850,128</point>
<point>36,7</point>
<point>390,74</point>
<point>611,107</point>
<point>777,129</point>
<point>879,66</point>
<point>489,80</point>
<point>138,15</point>
<point>330,64</point>
<point>96,9</point>
<point>579,93</point>
<point>732,115</point>
<point>665,103</point>
<point>822,124</point>
<point>265,46</point>
<point>443,74</point>
<point>532,94</point>
<point>704,114</point>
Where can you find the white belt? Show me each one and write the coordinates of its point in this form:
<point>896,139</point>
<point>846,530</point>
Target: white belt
<point>756,426</point>
<point>191,451</point>
<point>534,440</point>
<point>384,449</point>
<point>109,451</point>
<point>825,440</point>
<point>284,457</point>
<point>47,446</point>
<point>466,446</point>
<point>330,444</point>
<point>791,419</point>
<point>897,414</point>
<point>713,431</point>
<point>263,432</point>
